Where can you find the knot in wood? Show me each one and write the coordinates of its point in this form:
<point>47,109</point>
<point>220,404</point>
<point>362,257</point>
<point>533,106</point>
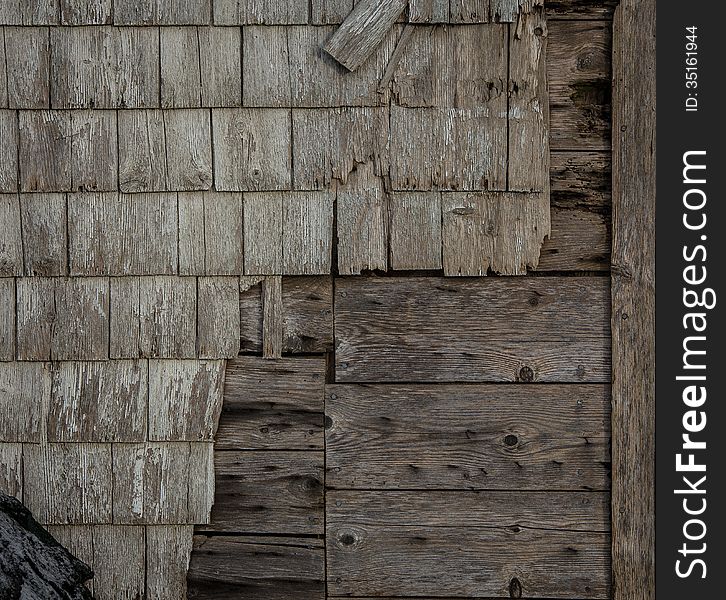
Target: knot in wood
<point>511,440</point>
<point>526,374</point>
<point>515,588</point>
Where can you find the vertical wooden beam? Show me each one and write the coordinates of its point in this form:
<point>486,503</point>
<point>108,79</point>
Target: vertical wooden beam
<point>633,302</point>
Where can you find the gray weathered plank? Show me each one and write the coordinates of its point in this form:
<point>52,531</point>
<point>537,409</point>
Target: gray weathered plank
<point>99,402</point>
<point>162,12</point>
<point>27,53</point>
<point>528,167</point>
<point>486,437</point>
<point>11,242</point>
<point>272,317</point>
<point>273,492</point>
<point>221,65</point>
<point>501,231</point>
<point>185,399</point>
<point>125,333</point>
<point>9,151</point>
<point>363,30</point>
<point>415,230</point>
<point>266,65</point>
<point>181,79</point>
<point>62,319</point>
<point>264,568</point>
<point>263,12</point>
<point>162,483</point>
<point>45,151</point>
<point>329,12</point>
<point>389,329</point>
<point>112,234</point>
<point>68,483</point>
<point>263,233</point>
<point>307,227</point>
<point>272,404</point>
<point>44,230</point>
<point>308,315</point>
<point>24,400</point>
<point>168,548</point>
<point>3,72</point>
<point>94,150</point>
<point>29,12</point>
<point>11,470</point>
<point>188,149</point>
<point>7,318</point>
<point>218,317</point>
<point>105,67</point>
<point>252,149</point>
<point>468,562</point>
<point>362,223</point>
<point>86,12</point>
<point>142,151</point>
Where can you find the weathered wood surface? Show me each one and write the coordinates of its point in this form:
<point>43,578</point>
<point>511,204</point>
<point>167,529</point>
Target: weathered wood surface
<point>580,10</point>
<point>27,55</point>
<point>8,154</point>
<point>470,11</point>
<point>264,568</point>
<point>363,30</point>
<point>168,549</point>
<point>24,399</point>
<point>44,153</point>
<point>267,12</point>
<point>415,237</point>
<point>273,492</point>
<point>220,65</point>
<point>272,317</point>
<point>272,404</point>
<point>533,329</point>
<point>468,437</point>
<point>33,564</point>
<point>11,243</point>
<point>162,12</point>
<point>7,318</point>
<point>44,221</point>
<point>181,77</point>
<point>11,469</point>
<point>307,227</point>
<point>633,301</point>
<point>218,317</point>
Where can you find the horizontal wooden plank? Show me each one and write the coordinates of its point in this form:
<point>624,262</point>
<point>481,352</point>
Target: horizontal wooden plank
<point>580,241</point>
<point>274,492</point>
<point>581,180</point>
<point>580,9</point>
<point>468,437</point>
<point>272,404</point>
<point>269,568</point>
<point>496,329</point>
<point>570,511</point>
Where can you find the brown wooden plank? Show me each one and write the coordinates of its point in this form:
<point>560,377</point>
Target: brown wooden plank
<point>24,401</point>
<point>264,568</point>
<point>167,559</point>
<point>185,399</point>
<point>580,241</point>
<point>580,9</point>
<point>11,243</point>
<point>581,180</point>
<point>218,317</point>
<point>3,71</point>
<point>633,301</point>
<point>263,233</point>
<point>44,229</point>
<point>99,402</point>
<point>7,318</point>
<point>220,65</point>
<point>8,151</point>
<point>462,437</point>
<point>27,53</point>
<point>181,79</point>
<point>45,151</point>
<point>262,12</point>
<point>273,492</point>
<point>533,329</point>
<point>272,404</point>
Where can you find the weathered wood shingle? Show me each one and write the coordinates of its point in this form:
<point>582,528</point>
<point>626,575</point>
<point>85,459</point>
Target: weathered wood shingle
<point>162,12</point>
<point>44,230</point>
<point>267,12</point>
<point>24,400</point>
<point>11,243</point>
<point>27,52</point>
<point>7,318</point>
<point>9,151</point>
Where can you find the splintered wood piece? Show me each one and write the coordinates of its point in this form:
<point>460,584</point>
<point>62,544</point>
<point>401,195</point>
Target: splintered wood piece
<point>27,53</point>
<point>185,399</point>
<point>415,230</point>
<point>168,548</point>
<point>7,318</point>
<point>363,31</point>
<point>273,492</point>
<point>11,469</point>
<point>68,483</point>
<point>24,399</point>
<point>500,437</point>
<point>94,148</point>
<point>220,65</point>
<point>260,12</point>
<point>8,151</point>
<point>273,404</point>
<point>362,223</point>
<point>163,483</point>
<point>528,105</point>
<point>272,317</point>
<point>181,79</point>
<point>307,225</point>
<point>11,243</point>
<point>45,151</point>
<point>99,402</point>
<point>501,231</point>
<point>493,327</point>
<point>44,230</point>
<point>251,149</point>
<point>218,317</point>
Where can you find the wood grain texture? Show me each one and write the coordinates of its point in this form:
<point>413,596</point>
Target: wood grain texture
<point>218,317</point>
<point>307,226</point>
<point>8,151</point>
<point>105,67</point>
<point>94,150</point>
<point>3,71</point>
<point>44,231</point>
<point>220,65</point>
<point>162,483</point>
<point>162,12</point>
<point>181,79</point>
<point>99,402</point>
<point>27,54</point>
<point>272,492</point>
<point>68,483</point>
<point>272,317</point>
<point>262,12</point>
<point>272,404</point>
<point>85,12</point>
<point>389,329</point>
<point>633,301</point>
<point>188,149</point>
<point>168,548</point>
<point>308,315</point>
<point>578,10</point>
<point>251,149</point>
<point>264,568</point>
<point>24,400</point>
<point>29,12</point>
<point>363,30</point>
<point>7,318</point>
<point>263,233</point>
<point>494,437</point>
<point>185,399</point>
<point>45,162</point>
<point>326,12</point>
<point>127,234</point>
<point>415,230</point>
<point>580,241</point>
<point>428,11</point>
<point>142,151</point>
<point>11,470</point>
<point>11,243</point>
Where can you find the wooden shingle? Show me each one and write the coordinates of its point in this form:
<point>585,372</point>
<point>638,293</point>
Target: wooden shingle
<point>27,53</point>
<point>162,12</point>
<point>44,231</point>
<point>263,233</point>
<point>86,12</point>
<point>181,83</point>
<point>267,12</point>
<point>168,548</point>
<point>68,483</point>
<point>11,243</point>
<point>29,12</point>
<point>24,399</point>
<point>330,12</point>
<point>11,469</point>
<point>185,399</point>
<point>429,11</point>
<point>45,151</point>
<point>188,149</point>
<point>221,65</point>
<point>94,150</point>
<point>3,72</point>
<point>307,225</point>
<point>9,151</point>
<point>7,318</point>
<point>99,402</point>
<point>218,317</point>
<point>415,230</point>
